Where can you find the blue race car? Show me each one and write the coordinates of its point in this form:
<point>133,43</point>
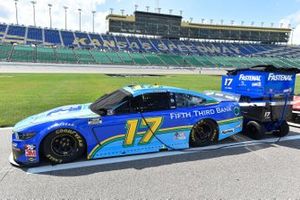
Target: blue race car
<point>133,120</point>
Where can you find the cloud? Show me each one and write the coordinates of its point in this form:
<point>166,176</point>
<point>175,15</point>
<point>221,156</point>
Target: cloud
<point>293,19</point>
<point>25,12</point>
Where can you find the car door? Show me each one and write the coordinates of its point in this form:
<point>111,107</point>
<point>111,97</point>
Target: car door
<point>131,127</point>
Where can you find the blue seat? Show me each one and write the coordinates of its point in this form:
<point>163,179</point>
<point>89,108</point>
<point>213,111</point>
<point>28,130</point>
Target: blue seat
<point>34,35</point>
<point>52,37</point>
<point>15,34</point>
<point>68,38</point>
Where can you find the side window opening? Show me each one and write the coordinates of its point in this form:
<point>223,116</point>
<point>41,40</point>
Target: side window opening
<point>187,100</point>
<point>151,102</point>
<point>145,103</point>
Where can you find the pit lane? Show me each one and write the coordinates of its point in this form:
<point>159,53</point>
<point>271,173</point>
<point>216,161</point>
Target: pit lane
<point>247,169</point>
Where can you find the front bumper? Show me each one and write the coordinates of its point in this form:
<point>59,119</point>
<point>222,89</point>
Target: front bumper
<point>24,152</point>
<point>12,160</point>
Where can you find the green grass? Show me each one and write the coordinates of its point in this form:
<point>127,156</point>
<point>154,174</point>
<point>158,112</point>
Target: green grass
<point>23,95</point>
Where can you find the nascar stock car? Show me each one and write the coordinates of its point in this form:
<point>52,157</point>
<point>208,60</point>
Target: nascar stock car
<point>132,120</point>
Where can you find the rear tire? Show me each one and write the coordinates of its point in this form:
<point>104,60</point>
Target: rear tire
<point>203,133</point>
<point>63,145</point>
<point>284,129</point>
<point>255,130</point>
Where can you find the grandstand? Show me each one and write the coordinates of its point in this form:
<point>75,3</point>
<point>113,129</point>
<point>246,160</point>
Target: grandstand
<point>181,44</point>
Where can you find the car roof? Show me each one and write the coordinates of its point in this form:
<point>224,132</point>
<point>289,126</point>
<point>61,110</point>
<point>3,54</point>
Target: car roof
<point>136,90</point>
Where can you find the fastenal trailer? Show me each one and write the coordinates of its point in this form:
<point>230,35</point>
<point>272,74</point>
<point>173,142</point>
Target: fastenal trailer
<point>266,95</point>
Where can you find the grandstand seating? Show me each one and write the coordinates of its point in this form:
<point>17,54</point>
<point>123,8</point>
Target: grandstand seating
<point>61,46</point>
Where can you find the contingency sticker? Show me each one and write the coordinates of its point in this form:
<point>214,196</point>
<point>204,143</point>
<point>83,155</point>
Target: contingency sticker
<point>30,150</point>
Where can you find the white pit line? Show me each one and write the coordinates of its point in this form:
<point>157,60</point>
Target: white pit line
<point>105,161</point>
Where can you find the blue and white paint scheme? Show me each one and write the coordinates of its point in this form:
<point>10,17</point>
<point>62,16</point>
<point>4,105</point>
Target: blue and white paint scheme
<point>116,134</point>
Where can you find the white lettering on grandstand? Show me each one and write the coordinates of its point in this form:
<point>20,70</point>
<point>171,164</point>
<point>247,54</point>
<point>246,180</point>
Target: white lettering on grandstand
<point>279,77</point>
<point>249,77</point>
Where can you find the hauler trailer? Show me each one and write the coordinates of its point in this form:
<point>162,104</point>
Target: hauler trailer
<point>266,95</point>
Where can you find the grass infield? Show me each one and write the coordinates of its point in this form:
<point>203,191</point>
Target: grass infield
<point>22,95</point>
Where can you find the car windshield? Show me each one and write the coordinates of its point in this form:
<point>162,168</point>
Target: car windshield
<point>109,101</point>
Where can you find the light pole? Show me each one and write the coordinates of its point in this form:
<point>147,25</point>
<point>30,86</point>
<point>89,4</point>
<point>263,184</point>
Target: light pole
<point>202,21</point>
<point>33,6</point>
<point>93,12</point>
<point>191,19</point>
<point>66,8</point>
<point>222,21</point>
<point>292,38</point>
<point>242,23</point>
<point>122,11</point>
<point>262,24</point>
<point>170,11</point>
<point>111,11</point>
<point>211,21</point>
<point>79,12</point>
<point>180,12</point>
<point>16,6</point>
<point>232,22</point>
<point>50,16</point>
<point>136,7</point>
<point>158,10</point>
<point>147,8</point>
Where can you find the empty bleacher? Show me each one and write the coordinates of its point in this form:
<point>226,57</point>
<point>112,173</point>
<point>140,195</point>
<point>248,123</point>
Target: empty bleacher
<point>34,44</point>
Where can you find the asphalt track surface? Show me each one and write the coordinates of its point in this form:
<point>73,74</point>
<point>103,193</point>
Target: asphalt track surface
<point>259,171</point>
<point>8,67</point>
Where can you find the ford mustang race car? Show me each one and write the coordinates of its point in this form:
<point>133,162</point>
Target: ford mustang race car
<point>132,120</point>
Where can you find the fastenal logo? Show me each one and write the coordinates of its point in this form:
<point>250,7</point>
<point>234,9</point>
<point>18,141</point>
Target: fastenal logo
<point>279,77</point>
<point>249,77</point>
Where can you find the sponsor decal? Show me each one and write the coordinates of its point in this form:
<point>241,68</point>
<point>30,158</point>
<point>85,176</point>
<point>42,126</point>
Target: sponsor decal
<point>179,136</point>
<point>236,110</point>
<point>62,124</point>
<point>200,113</point>
<point>256,84</point>
<point>228,131</point>
<point>279,77</point>
<point>243,77</point>
<point>95,121</point>
<point>30,150</point>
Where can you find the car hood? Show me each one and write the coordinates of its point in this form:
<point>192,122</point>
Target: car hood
<point>59,113</point>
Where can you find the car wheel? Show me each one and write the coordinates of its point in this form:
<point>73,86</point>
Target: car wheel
<point>255,130</point>
<point>203,133</point>
<point>284,129</point>
<point>63,145</point>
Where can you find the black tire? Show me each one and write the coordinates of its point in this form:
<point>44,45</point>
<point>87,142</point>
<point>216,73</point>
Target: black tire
<point>255,130</point>
<point>204,132</point>
<point>284,129</point>
<point>63,145</point>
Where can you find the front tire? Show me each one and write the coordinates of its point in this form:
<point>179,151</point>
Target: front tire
<point>63,145</point>
<point>203,133</point>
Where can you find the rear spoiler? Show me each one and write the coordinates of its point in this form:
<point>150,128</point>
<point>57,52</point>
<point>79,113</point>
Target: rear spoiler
<point>222,96</point>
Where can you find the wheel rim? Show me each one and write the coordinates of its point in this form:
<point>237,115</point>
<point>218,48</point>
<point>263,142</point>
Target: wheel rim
<point>203,132</point>
<point>63,145</point>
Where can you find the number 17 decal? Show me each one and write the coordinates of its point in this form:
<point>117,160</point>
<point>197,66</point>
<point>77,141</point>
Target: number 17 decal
<point>152,124</point>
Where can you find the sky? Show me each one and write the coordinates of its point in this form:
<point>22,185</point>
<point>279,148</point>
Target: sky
<point>257,11</point>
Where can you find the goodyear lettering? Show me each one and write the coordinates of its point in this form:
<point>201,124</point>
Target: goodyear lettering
<point>243,77</point>
<point>279,77</point>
